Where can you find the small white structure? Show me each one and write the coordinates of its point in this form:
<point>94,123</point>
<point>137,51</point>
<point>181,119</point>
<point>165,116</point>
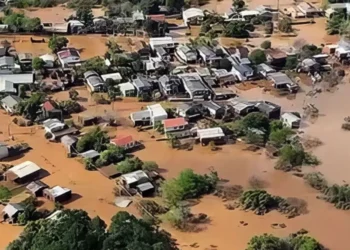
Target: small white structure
<point>9,103</point>
<point>94,81</point>
<point>193,16</point>
<point>127,89</point>
<point>49,60</point>
<point>157,112</point>
<point>4,151</point>
<point>210,134</point>
<point>134,178</point>
<point>114,76</point>
<point>248,14</point>
<point>164,42</point>
<point>291,120</point>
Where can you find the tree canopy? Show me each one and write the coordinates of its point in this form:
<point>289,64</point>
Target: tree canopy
<point>188,185</point>
<point>95,139</point>
<point>38,63</point>
<point>96,64</point>
<point>56,43</point>
<point>85,15</point>
<point>257,56</point>
<point>19,22</point>
<point>29,108</point>
<point>238,29</point>
<point>5,193</point>
<point>75,230</point>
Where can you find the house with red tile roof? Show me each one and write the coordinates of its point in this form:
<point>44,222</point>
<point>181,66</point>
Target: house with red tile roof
<point>126,141</point>
<point>176,127</point>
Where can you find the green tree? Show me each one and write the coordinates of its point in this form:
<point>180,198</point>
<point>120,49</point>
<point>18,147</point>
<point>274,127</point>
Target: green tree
<point>256,120</point>
<point>31,24</point>
<point>95,64</point>
<point>85,15</point>
<point>265,44</point>
<point>56,43</point>
<point>238,29</point>
<point>150,166</point>
<point>285,25</point>
<point>188,185</point>
<point>257,56</point>
<point>5,193</point>
<point>38,63</point>
<point>73,230</point>
<point>112,154</point>
<point>291,62</point>
<point>266,242</point>
<point>129,165</point>
<point>95,139</point>
<point>309,50</point>
<point>304,242</point>
<point>113,93</point>
<point>279,137</point>
<point>335,25</point>
<point>30,108</point>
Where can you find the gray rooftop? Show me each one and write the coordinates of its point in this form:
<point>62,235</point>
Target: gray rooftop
<point>267,107</point>
<point>11,100</point>
<point>35,186</point>
<point>193,81</point>
<point>208,52</point>
<point>12,208</point>
<point>7,61</point>
<point>90,154</point>
<point>211,105</point>
<point>145,186</point>
<point>141,115</point>
<point>280,78</point>
<point>141,82</point>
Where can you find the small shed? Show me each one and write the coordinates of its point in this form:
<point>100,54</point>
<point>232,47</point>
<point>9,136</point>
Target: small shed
<point>22,172</point>
<point>110,172</point>
<point>211,134</point>
<point>4,150</point>
<point>69,143</point>
<point>90,154</point>
<point>57,194</point>
<point>271,110</point>
<point>133,179</point>
<point>9,103</point>
<point>291,120</point>
<point>36,188</point>
<point>145,189</point>
<point>216,111</point>
<point>11,212</point>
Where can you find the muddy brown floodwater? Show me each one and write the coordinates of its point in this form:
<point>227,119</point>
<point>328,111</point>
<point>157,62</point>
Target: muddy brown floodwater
<point>93,192</point>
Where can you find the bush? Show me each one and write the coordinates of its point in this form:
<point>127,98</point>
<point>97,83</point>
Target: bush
<point>256,183</point>
<point>89,164</point>
<point>255,138</point>
<point>188,185</point>
<point>150,166</point>
<point>316,180</point>
<point>279,137</point>
<point>38,63</point>
<point>256,120</point>
<point>95,139</point>
<point>5,193</point>
<point>129,165</point>
<point>285,25</point>
<point>291,62</point>
<point>177,217</point>
<point>265,45</point>
<point>56,43</point>
<point>338,195</point>
<point>112,154</point>
<point>257,56</point>
<point>258,201</point>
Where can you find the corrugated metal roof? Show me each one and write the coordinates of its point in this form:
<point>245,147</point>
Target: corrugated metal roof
<point>90,154</point>
<point>134,176</point>
<point>210,133</point>
<point>12,208</point>
<point>24,169</point>
<point>58,191</point>
<point>11,100</point>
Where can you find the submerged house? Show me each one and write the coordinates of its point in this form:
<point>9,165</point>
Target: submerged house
<point>69,57</point>
<point>241,107</point>
<point>186,54</point>
<point>57,194</point>
<point>23,172</point>
<point>127,142</point>
<point>208,56</point>
<point>282,81</point>
<point>271,110</point>
<point>193,16</point>
<point>94,81</point>
<point>170,85</point>
<point>211,134</point>
<point>190,111</point>
<point>177,127</point>
<point>291,120</point>
<point>10,102</point>
<point>276,57</point>
<point>215,110</point>
<point>138,180</point>
<point>11,212</point>
<point>142,85</point>
<point>36,188</point>
<point>195,86</point>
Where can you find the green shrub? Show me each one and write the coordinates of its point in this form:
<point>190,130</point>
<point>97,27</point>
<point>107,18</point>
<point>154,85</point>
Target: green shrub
<point>265,45</point>
<point>129,165</point>
<point>5,193</point>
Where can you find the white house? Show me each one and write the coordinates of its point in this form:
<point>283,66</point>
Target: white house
<point>177,127</point>
<point>94,81</point>
<point>210,134</point>
<point>291,120</point>
<point>114,76</point>
<point>193,16</point>
<point>164,42</point>
<point>127,89</point>
<point>157,113</point>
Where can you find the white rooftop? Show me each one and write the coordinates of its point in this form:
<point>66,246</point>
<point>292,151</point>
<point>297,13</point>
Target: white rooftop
<point>25,168</point>
<point>210,133</point>
<point>114,76</point>
<point>58,191</point>
<point>249,13</point>
<point>157,110</point>
<point>290,117</point>
<point>134,176</point>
